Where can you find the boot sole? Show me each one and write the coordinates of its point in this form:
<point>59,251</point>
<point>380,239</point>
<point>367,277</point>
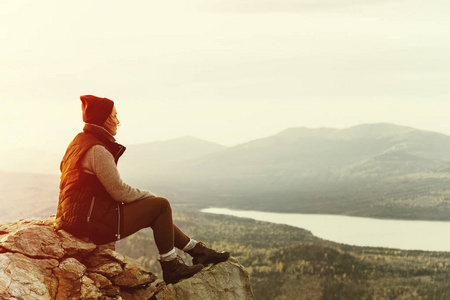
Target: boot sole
<point>209,263</point>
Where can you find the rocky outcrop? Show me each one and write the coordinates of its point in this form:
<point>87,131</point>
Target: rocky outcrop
<point>37,262</point>
<point>228,281</point>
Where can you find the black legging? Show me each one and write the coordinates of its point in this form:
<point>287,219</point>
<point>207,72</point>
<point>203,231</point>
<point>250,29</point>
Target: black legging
<point>154,212</point>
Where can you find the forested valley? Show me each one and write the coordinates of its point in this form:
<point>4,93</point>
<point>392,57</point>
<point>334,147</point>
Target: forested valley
<point>290,263</point>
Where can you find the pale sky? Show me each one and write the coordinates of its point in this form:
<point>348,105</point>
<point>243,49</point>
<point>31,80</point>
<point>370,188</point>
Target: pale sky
<point>225,71</point>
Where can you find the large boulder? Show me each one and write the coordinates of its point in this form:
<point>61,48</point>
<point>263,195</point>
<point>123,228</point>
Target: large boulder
<point>37,262</point>
<point>226,281</point>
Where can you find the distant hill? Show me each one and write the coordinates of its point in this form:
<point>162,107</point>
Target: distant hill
<point>137,156</point>
<point>381,170</point>
<point>27,195</point>
<point>152,157</point>
<point>27,175</point>
<point>299,154</point>
<point>30,161</point>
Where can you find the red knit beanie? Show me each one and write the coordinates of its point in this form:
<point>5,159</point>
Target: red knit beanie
<point>95,110</point>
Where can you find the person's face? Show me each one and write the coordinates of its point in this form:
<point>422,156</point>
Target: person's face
<point>112,122</point>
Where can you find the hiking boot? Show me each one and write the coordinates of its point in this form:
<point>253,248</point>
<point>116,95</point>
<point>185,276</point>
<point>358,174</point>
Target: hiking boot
<point>175,270</point>
<point>205,256</point>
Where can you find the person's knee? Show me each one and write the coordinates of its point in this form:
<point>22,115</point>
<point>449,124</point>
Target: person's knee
<point>164,205</point>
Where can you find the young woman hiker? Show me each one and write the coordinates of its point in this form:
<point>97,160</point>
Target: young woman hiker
<point>95,203</point>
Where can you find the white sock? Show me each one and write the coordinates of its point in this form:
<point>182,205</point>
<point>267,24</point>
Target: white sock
<point>190,245</point>
<point>168,256</point>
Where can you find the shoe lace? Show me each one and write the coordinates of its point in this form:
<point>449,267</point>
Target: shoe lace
<point>180,259</point>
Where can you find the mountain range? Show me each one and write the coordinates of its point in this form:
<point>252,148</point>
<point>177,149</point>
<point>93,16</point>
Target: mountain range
<point>301,152</point>
<point>378,170</point>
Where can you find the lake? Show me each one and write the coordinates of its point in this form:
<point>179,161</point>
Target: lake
<point>358,231</point>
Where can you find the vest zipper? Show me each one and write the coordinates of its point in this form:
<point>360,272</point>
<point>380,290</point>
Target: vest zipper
<point>119,153</point>
<point>118,223</point>
<point>116,158</point>
<point>91,209</point>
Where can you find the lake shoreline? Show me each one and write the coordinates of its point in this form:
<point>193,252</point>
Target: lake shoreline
<point>410,235</point>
